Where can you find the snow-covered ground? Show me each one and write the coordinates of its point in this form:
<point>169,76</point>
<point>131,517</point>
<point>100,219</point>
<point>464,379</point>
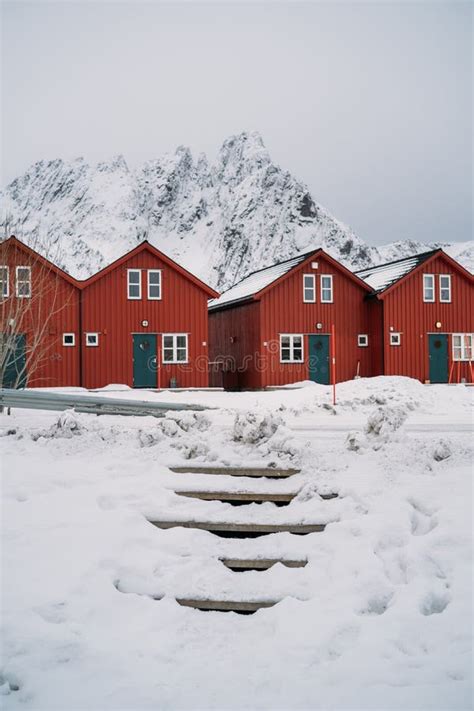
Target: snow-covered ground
<point>380,618</point>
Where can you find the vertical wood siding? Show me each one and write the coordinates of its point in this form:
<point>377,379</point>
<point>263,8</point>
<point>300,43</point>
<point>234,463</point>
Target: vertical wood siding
<point>55,303</point>
<point>407,313</point>
<point>107,311</point>
<point>283,311</point>
<point>234,336</point>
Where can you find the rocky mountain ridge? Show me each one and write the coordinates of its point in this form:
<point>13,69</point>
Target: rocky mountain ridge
<point>220,221</point>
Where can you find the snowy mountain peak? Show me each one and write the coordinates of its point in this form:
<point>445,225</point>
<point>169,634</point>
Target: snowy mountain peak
<point>221,221</point>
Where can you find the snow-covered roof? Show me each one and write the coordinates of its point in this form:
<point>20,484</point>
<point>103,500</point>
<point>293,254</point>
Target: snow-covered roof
<point>256,281</point>
<point>382,276</point>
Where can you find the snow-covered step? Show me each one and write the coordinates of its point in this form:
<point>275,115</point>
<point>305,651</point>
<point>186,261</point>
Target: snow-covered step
<point>242,564</point>
<point>243,530</point>
<point>270,472</point>
<point>237,498</point>
<point>240,606</point>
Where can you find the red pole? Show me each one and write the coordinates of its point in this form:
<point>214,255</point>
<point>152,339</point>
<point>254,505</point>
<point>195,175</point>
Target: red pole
<point>333,363</point>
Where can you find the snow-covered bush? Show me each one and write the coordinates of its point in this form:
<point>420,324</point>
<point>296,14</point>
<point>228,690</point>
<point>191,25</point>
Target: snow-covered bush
<point>385,420</point>
<point>380,426</point>
<point>255,427</point>
<point>441,451</point>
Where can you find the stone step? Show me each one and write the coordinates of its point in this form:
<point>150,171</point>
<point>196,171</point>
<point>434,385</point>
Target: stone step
<point>239,565</point>
<point>243,530</point>
<point>239,606</point>
<point>239,498</point>
<point>268,472</point>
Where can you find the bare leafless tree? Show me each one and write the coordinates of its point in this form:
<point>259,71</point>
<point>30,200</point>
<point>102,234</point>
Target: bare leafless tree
<point>32,294</point>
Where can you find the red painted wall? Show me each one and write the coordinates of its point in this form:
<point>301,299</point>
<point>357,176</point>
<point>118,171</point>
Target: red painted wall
<point>283,311</point>
<point>52,310</point>
<point>406,312</point>
<point>234,337</point>
<point>107,311</point>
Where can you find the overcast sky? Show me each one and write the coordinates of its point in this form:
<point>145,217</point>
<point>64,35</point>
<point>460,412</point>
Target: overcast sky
<point>369,103</point>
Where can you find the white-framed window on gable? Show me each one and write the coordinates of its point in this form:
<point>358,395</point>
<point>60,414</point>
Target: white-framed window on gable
<point>326,289</point>
<point>395,339</point>
<point>463,344</point>
<point>92,339</point>
<point>445,288</point>
<point>175,348</point>
<point>309,288</point>
<point>4,282</point>
<point>428,288</point>
<point>23,282</point>
<point>154,284</point>
<point>291,348</point>
<point>134,284</point>
<point>69,339</point>
<point>362,340</point>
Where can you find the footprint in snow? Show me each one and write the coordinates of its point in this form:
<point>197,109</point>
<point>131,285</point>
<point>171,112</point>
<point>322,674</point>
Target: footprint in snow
<point>434,603</point>
<point>422,522</point>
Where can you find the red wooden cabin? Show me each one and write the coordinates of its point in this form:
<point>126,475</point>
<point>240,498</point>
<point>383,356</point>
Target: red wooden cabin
<point>144,323</point>
<point>39,320</point>
<point>274,326</point>
<point>422,307</point>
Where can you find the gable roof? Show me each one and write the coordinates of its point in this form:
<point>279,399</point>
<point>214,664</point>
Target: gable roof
<point>146,246</point>
<point>255,284</point>
<point>383,277</point>
<point>15,242</point>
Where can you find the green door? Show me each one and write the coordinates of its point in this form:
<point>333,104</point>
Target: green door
<point>438,356</point>
<point>319,359</point>
<point>144,360</point>
<point>14,356</point>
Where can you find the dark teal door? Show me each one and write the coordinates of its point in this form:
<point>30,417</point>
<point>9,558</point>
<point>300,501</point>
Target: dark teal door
<point>144,360</point>
<point>438,355</point>
<point>319,359</point>
<point>14,371</point>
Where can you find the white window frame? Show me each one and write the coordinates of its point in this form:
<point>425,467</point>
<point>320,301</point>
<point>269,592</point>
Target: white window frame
<point>292,337</point>
<point>153,271</point>
<point>323,289</point>
<point>432,288</point>
<point>92,345</point>
<point>312,278</point>
<point>5,292</point>
<point>135,271</point>
<point>462,347</point>
<point>363,340</point>
<point>174,361</point>
<point>448,277</point>
<point>395,338</point>
<point>23,281</point>
<point>69,345</point>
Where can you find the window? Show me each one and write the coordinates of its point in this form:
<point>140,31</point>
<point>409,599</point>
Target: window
<point>428,287</point>
<point>154,284</point>
<point>69,339</point>
<point>4,282</point>
<point>395,339</point>
<point>463,346</point>
<point>134,283</point>
<point>92,339</point>
<point>362,340</point>
<point>445,288</point>
<point>309,288</point>
<point>326,289</point>
<point>291,348</point>
<point>23,282</point>
<point>175,348</point>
